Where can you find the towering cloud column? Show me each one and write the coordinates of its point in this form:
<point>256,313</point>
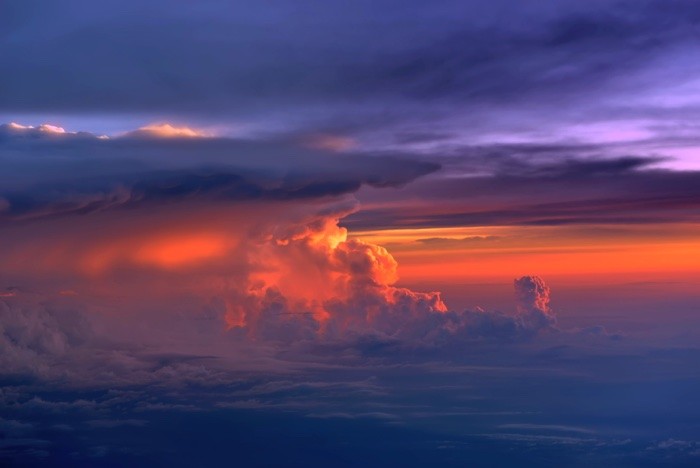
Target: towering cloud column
<point>532,300</point>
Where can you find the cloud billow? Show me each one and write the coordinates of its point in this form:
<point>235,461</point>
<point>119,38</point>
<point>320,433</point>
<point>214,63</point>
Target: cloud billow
<point>56,173</point>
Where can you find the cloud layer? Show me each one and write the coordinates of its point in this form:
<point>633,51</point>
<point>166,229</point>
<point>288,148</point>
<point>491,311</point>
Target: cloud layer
<point>204,277</point>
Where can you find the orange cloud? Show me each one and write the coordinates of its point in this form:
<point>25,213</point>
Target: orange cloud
<point>165,130</point>
<point>177,251</point>
<point>165,251</point>
<point>340,284</point>
<point>278,270</point>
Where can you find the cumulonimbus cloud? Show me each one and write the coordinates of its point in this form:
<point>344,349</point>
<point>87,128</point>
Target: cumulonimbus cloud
<point>318,283</point>
<point>245,236</point>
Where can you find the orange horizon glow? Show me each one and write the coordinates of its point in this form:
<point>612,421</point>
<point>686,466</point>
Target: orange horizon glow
<point>450,254</point>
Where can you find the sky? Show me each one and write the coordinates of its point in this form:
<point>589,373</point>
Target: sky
<point>370,233</point>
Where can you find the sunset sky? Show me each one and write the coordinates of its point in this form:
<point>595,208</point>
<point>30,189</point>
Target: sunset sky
<point>368,233</point>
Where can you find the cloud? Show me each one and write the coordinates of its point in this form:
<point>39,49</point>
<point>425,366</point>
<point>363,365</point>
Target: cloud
<point>474,58</point>
<point>111,423</point>
<point>313,280</point>
<point>344,289</point>
<point>451,241</point>
<point>547,428</point>
<point>269,270</point>
<point>535,61</point>
<point>329,142</point>
<point>33,337</point>
<point>15,131</point>
<point>165,130</point>
<point>364,86</point>
<point>532,299</point>
<point>45,128</point>
<point>247,240</point>
<point>535,191</point>
<point>13,428</point>
<point>246,233</point>
<point>94,175</point>
<point>210,275</point>
<point>298,283</point>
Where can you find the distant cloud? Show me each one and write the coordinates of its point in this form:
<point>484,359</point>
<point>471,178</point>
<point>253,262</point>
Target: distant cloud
<point>451,241</point>
<point>165,130</point>
<point>527,190</point>
<point>45,128</point>
<point>532,299</point>
<point>33,337</point>
<point>326,141</point>
<point>45,131</point>
<point>547,428</point>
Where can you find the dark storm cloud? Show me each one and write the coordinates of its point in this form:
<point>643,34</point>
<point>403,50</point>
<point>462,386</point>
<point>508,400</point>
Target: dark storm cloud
<point>49,173</point>
<point>575,191</point>
<point>539,159</point>
<point>569,53</point>
<point>78,55</point>
<point>573,168</point>
<point>161,188</point>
